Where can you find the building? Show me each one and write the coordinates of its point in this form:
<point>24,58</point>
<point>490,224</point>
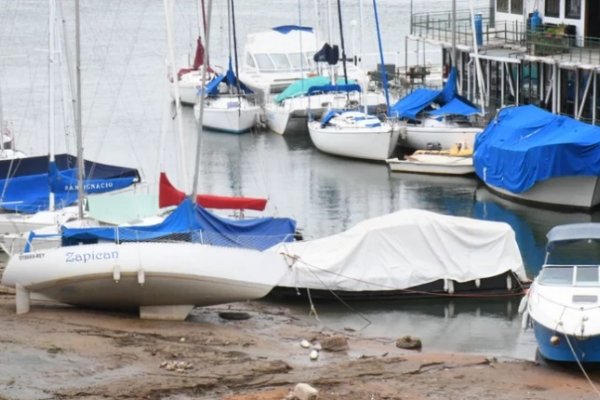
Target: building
<point>543,52</point>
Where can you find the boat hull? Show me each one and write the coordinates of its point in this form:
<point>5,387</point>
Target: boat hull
<point>132,275</point>
<point>586,349</point>
<point>370,144</point>
<point>573,192</point>
<point>439,166</point>
<point>418,137</point>
<point>230,120</point>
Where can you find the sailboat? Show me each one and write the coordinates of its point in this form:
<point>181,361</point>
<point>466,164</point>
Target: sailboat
<point>37,191</point>
<point>229,104</point>
<point>354,133</point>
<point>192,258</point>
<point>188,79</point>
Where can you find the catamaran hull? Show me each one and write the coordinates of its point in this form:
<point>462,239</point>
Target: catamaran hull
<point>556,346</point>
<point>135,275</point>
<point>418,137</point>
<point>574,192</point>
<point>370,144</point>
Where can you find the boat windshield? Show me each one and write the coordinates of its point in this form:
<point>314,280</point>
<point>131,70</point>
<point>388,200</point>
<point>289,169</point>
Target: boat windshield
<point>569,275</point>
<point>264,62</point>
<point>280,62</point>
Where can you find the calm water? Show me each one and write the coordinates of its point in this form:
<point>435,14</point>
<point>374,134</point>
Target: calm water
<point>123,64</point>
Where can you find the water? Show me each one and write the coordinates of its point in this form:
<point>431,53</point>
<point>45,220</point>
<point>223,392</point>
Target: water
<point>123,71</point>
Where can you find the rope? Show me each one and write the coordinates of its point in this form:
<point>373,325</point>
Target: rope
<point>581,366</point>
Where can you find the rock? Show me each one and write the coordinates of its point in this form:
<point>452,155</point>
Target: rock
<point>236,316</point>
<point>409,343</point>
<point>303,391</point>
<point>334,343</point>
<point>314,354</point>
<point>305,344</point>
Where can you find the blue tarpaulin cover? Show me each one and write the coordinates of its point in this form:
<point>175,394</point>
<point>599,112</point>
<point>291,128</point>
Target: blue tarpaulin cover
<point>524,145</point>
<point>350,87</point>
<point>28,192</point>
<point>290,28</point>
<point>212,88</point>
<point>196,224</point>
<point>425,99</point>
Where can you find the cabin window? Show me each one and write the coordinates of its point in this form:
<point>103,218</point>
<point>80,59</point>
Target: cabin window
<point>556,276</point>
<point>516,7</point>
<point>573,9</point>
<point>264,62</point>
<point>502,6</point>
<point>281,62</point>
<point>250,61</point>
<point>297,61</point>
<point>552,8</point>
<point>587,276</point>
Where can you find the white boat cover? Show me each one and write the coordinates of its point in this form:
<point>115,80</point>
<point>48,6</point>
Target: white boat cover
<point>402,250</point>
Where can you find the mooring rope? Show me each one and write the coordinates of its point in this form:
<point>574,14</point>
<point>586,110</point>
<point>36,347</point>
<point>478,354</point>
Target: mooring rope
<point>581,366</point>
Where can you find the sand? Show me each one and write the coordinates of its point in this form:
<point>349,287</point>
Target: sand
<point>62,352</point>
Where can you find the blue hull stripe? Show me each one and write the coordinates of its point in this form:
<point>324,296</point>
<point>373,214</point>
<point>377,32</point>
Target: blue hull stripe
<point>587,349</point>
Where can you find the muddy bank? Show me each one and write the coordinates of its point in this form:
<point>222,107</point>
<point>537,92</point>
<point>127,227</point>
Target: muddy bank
<point>60,352</point>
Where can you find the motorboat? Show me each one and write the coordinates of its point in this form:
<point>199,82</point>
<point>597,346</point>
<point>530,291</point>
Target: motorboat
<point>276,58</point>
<point>562,304</point>
<point>456,161</point>
<point>529,155</point>
<point>406,253</point>
<point>437,118</point>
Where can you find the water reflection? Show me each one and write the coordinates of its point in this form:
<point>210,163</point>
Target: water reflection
<point>487,326</point>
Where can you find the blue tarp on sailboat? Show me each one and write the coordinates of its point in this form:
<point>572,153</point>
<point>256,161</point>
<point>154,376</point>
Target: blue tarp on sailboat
<point>212,88</point>
<point>524,145</point>
<point>434,102</point>
<point>290,28</point>
<point>193,223</point>
<point>28,181</point>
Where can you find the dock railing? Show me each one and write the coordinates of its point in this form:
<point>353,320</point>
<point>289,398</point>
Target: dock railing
<point>554,41</point>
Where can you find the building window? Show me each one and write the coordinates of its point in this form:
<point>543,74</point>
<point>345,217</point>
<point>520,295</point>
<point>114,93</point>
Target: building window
<point>552,8</point>
<point>573,9</point>
<point>516,7</point>
<point>502,6</point>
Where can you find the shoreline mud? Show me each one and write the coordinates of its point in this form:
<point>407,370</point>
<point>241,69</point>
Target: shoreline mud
<point>63,352</point>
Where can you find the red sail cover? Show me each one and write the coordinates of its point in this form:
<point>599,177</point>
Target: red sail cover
<point>198,59</point>
<point>168,195</point>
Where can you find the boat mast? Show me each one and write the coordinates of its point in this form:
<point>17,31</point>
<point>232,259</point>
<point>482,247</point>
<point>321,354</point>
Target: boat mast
<point>342,43</point>
<point>235,54</point>
<point>80,164</point>
<point>201,111</point>
<point>383,70</point>
<point>51,42</point>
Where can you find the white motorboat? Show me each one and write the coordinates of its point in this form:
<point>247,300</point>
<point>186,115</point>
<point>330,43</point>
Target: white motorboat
<point>229,113</point>
<point>562,304</point>
<point>354,134</point>
<point>406,253</point>
<point>456,161</point>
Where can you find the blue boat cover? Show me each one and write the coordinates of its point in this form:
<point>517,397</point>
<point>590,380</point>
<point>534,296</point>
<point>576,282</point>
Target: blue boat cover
<point>525,145</point>
<point>456,106</point>
<point>301,86</point>
<point>193,223</point>
<point>212,88</point>
<point>29,193</point>
<point>434,102</point>
<point>350,87</point>
<point>290,28</point>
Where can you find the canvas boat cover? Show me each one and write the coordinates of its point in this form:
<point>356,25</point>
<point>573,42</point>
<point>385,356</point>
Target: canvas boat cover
<point>402,250</point>
<point>569,233</point>
<point>27,182</point>
<point>284,29</point>
<point>434,102</point>
<point>230,79</point>
<point>301,87</point>
<point>190,222</point>
<point>525,145</point>
<point>169,195</point>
